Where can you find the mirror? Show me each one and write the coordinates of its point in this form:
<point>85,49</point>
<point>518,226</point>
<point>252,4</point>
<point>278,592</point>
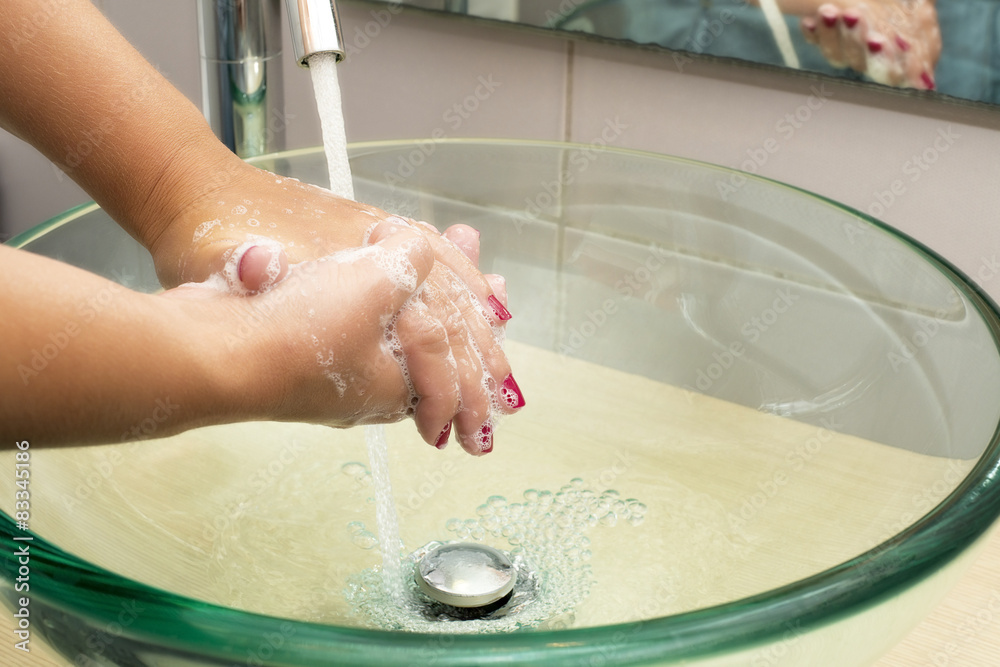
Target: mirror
<point>907,44</point>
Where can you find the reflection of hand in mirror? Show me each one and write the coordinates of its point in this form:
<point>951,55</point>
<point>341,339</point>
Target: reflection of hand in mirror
<point>894,42</point>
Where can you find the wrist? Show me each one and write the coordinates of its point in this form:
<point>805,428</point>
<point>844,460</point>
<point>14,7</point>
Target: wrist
<point>197,167</point>
<point>244,369</point>
<point>223,364</point>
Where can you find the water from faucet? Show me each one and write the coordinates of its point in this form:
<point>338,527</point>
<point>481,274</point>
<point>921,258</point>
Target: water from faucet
<point>323,67</point>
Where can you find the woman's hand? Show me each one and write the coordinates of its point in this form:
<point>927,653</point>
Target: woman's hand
<point>252,240</point>
<point>322,340</point>
<point>893,42</point>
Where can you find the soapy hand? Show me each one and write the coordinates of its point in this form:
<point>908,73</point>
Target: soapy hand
<point>449,333</point>
<point>893,42</point>
<point>323,334</point>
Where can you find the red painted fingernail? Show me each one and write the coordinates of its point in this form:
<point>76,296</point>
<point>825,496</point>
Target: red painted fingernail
<point>442,440</point>
<point>829,19</point>
<point>239,267</point>
<point>928,80</point>
<point>902,43</point>
<point>874,46</point>
<point>511,393</point>
<point>851,20</point>
<point>502,313</point>
<point>485,437</point>
<point>809,24</point>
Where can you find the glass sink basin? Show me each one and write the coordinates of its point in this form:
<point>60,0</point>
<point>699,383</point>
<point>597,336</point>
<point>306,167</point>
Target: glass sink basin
<point>760,429</point>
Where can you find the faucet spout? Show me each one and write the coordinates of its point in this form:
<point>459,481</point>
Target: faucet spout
<point>315,27</point>
<point>242,92</point>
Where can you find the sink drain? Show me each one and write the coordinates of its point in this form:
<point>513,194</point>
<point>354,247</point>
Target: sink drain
<point>466,575</point>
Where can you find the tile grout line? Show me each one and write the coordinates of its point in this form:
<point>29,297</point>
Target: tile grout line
<point>567,118</point>
<point>568,97</point>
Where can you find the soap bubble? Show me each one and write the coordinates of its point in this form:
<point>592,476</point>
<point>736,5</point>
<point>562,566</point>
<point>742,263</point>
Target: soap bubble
<point>365,540</point>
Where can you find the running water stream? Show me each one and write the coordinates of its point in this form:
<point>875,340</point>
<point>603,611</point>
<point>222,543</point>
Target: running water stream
<point>323,67</point>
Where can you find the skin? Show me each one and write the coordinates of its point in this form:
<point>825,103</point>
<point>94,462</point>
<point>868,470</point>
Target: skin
<point>75,89</point>
<point>896,43</point>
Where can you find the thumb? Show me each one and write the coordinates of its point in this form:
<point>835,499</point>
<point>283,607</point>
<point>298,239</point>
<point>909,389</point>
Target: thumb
<point>404,256</point>
<point>257,266</point>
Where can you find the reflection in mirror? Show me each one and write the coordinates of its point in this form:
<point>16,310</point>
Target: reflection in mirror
<point>914,44</point>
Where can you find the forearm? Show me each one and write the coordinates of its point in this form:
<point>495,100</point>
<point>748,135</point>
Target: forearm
<point>86,360</point>
<point>75,89</point>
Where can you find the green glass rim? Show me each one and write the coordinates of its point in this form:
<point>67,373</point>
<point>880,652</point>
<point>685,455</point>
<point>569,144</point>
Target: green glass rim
<point>186,626</point>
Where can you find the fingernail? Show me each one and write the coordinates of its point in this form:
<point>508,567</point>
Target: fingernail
<point>442,440</point>
<point>829,17</point>
<point>502,313</point>
<point>902,43</point>
<point>485,437</point>
<point>851,20</point>
<point>874,46</point>
<point>511,393</point>
<point>928,80</point>
<point>239,267</point>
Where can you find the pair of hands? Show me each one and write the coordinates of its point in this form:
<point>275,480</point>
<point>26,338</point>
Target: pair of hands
<point>894,42</point>
<point>345,297</point>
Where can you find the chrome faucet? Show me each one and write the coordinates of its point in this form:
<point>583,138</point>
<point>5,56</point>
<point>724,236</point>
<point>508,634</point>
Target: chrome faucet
<point>241,83</point>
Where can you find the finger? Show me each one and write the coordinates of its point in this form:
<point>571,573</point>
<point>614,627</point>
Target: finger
<point>882,64</point>
<point>466,239</point>
<point>510,395</point>
<point>499,286</point>
<point>431,368</point>
<point>911,61</point>
<point>926,80</point>
<point>375,281</point>
<point>930,29</point>
<point>259,267</point>
<point>828,34</point>
<point>853,29</point>
<point>486,335</point>
<point>450,255</point>
<point>472,418</point>
<point>424,226</point>
<point>808,26</point>
<point>917,67</point>
<point>404,257</point>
